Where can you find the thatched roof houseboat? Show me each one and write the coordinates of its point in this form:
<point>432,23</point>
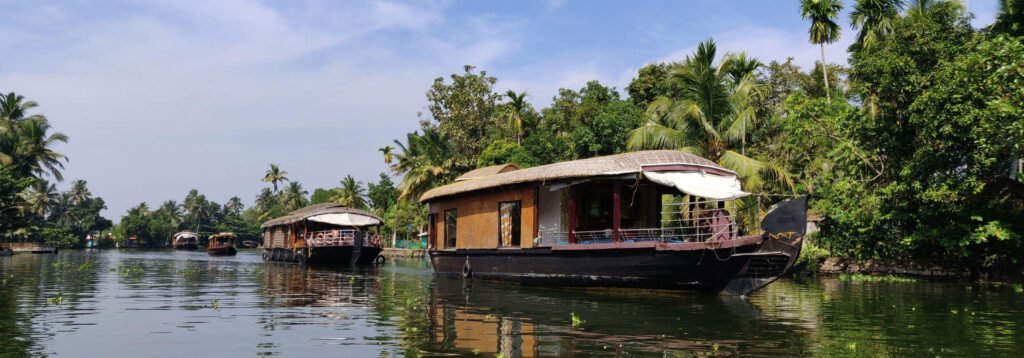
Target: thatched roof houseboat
<point>185,240</point>
<point>322,233</point>
<point>642,219</point>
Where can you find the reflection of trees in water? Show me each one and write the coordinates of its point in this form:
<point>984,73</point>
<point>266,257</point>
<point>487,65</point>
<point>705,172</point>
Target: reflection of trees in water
<point>896,319</point>
<point>33,285</point>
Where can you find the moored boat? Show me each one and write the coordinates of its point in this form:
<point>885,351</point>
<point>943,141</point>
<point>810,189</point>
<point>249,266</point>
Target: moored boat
<point>325,233</point>
<point>222,244</point>
<point>659,219</point>
<point>185,240</point>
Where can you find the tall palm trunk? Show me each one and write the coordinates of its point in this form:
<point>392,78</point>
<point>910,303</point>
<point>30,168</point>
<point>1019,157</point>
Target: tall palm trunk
<point>824,74</point>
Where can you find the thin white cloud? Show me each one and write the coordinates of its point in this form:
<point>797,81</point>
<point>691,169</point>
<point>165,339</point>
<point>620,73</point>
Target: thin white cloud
<point>185,95</point>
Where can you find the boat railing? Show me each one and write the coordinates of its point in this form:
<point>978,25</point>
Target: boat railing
<point>328,238</point>
<point>716,225</point>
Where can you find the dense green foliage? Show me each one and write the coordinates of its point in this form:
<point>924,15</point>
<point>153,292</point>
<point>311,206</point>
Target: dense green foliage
<point>155,228</point>
<point>31,208</point>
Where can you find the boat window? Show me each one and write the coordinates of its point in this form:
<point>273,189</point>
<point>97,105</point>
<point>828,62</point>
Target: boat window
<point>509,222</point>
<point>450,217</point>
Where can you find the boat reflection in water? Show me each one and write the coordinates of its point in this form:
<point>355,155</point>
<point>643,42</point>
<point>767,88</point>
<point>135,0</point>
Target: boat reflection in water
<point>437,316</point>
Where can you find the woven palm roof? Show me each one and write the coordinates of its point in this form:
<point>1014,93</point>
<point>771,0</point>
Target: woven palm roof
<point>487,171</point>
<point>316,209</point>
<point>626,163</point>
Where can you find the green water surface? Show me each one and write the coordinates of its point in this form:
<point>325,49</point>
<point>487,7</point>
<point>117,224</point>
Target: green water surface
<point>187,304</point>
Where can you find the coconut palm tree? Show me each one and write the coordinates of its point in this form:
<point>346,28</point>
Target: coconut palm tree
<point>927,8</point>
<point>171,211</point>
<point>426,161</point>
<point>824,29</point>
<point>388,155</point>
<point>351,193</point>
<point>25,142</point>
<point>275,175</point>
<point>79,193</point>
<point>294,196</point>
<point>234,206</point>
<point>516,105</point>
<point>13,108</point>
<point>874,19</point>
<point>197,208</point>
<point>709,117</point>
<point>741,66</point>
<point>265,199</point>
<point>40,198</point>
<point>27,145</point>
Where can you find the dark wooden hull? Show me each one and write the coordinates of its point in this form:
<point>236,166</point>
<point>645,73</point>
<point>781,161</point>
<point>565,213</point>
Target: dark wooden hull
<point>190,246</point>
<point>330,255</point>
<point>222,251</point>
<point>736,267</point>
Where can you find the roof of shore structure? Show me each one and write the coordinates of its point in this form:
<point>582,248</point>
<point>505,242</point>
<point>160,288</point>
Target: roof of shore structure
<point>487,171</point>
<point>618,164</point>
<point>316,209</point>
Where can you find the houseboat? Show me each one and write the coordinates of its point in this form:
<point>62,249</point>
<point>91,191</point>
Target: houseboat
<point>657,219</point>
<point>325,233</point>
<point>185,240</point>
<point>222,244</point>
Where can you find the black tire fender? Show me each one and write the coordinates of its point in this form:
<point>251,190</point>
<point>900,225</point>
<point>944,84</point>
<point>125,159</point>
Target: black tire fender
<point>467,270</point>
<point>380,259</point>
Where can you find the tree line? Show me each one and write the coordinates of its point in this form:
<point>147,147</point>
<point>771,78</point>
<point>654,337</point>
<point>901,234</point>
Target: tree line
<point>31,207</point>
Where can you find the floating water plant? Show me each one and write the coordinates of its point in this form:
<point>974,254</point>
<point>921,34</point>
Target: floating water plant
<point>577,322</point>
<point>859,277</point>
<point>215,304</point>
<point>56,300</point>
<point>130,271</point>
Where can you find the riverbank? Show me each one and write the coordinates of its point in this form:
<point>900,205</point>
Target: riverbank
<point>396,252</point>
<point>28,247</point>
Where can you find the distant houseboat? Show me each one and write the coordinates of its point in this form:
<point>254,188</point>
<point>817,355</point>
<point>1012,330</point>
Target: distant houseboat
<point>323,234</point>
<point>659,219</point>
<point>222,244</point>
<point>186,240</point>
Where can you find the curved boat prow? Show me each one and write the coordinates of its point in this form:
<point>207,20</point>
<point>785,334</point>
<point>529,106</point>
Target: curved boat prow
<point>784,229</point>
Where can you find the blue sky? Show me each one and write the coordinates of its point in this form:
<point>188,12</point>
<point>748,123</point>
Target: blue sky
<point>160,97</point>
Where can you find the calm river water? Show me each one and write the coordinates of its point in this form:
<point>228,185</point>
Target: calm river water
<point>187,304</point>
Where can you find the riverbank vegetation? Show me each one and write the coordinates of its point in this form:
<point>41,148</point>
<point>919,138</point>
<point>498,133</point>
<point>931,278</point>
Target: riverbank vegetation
<point>31,207</point>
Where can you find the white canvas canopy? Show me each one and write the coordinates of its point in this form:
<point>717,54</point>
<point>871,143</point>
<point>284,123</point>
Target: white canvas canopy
<point>185,235</point>
<point>700,184</point>
<point>345,219</point>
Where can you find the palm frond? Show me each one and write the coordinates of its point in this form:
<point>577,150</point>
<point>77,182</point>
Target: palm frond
<point>655,136</point>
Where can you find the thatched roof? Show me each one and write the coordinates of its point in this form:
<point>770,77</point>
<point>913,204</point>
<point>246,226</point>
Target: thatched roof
<point>316,209</point>
<point>223,234</point>
<point>487,171</point>
<point>626,163</point>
